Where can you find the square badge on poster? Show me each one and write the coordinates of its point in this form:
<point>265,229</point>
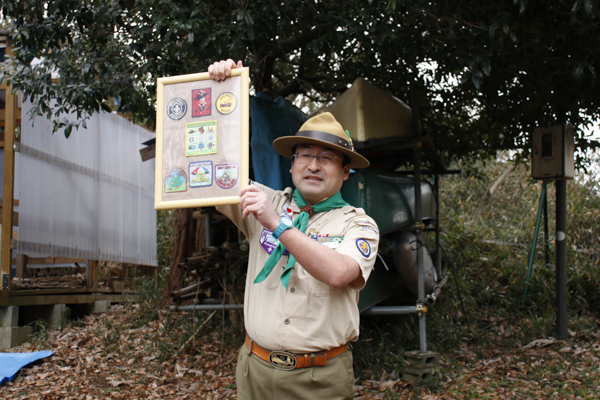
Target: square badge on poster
<point>202,140</point>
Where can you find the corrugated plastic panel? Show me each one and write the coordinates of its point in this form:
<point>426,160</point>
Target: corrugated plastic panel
<point>89,196</point>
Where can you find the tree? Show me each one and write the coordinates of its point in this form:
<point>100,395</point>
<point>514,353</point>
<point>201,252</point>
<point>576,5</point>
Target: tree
<point>497,68</point>
<point>484,72</point>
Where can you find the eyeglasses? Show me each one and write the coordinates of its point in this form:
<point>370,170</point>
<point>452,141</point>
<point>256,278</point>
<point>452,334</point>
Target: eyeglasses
<point>304,157</point>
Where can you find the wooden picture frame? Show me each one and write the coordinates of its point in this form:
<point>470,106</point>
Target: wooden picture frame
<point>202,140</point>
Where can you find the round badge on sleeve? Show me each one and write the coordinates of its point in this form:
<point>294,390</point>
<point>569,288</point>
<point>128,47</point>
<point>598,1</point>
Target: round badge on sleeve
<point>363,247</point>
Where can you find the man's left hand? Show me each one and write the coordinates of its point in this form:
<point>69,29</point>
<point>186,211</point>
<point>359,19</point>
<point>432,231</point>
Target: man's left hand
<point>220,70</point>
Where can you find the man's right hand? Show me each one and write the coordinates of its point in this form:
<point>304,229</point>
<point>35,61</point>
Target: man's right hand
<point>255,201</point>
<point>220,70</point>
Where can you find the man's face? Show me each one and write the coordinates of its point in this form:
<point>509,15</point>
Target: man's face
<point>317,180</point>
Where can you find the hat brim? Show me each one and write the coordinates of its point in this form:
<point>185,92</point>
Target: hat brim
<point>285,144</point>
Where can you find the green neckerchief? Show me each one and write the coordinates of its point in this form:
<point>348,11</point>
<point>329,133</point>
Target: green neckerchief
<point>301,222</point>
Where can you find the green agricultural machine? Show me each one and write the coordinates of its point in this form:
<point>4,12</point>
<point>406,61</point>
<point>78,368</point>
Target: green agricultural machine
<point>382,129</point>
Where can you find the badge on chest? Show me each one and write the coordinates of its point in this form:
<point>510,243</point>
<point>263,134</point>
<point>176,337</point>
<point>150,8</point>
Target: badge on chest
<point>330,241</point>
<point>267,241</point>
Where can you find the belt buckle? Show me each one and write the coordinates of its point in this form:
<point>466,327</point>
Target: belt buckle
<point>282,360</point>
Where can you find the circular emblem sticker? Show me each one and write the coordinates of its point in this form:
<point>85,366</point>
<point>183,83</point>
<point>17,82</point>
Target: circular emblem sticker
<point>226,103</point>
<point>363,247</point>
<point>226,175</point>
<point>176,108</point>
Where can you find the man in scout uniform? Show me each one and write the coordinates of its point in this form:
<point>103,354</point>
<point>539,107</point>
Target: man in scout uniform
<point>310,254</point>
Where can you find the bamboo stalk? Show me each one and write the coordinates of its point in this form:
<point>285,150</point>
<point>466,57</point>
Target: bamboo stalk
<point>197,331</point>
<point>189,289</point>
<point>235,246</point>
<point>194,260</point>
<point>190,296</point>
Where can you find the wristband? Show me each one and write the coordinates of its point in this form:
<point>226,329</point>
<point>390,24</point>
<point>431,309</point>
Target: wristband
<point>284,224</point>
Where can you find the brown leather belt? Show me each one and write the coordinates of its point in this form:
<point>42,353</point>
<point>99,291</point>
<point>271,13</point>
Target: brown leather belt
<point>285,360</point>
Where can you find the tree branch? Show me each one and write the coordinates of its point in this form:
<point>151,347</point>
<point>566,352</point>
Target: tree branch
<point>287,45</point>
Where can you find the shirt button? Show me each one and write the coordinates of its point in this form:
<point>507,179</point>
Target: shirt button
<point>287,321</point>
<point>293,289</point>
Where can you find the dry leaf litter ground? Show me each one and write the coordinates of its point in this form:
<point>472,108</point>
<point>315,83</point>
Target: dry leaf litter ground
<point>101,356</point>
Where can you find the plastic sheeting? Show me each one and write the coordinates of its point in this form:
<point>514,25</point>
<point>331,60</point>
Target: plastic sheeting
<point>11,363</point>
<point>272,119</point>
<point>89,196</point>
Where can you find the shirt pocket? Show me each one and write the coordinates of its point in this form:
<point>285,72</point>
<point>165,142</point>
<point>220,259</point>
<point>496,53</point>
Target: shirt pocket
<point>273,281</point>
<point>319,289</point>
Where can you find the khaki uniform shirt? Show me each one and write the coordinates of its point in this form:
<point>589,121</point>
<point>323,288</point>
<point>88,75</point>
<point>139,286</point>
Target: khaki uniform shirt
<point>309,315</point>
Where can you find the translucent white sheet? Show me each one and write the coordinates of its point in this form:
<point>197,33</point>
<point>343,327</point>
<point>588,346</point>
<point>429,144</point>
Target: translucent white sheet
<point>89,196</point>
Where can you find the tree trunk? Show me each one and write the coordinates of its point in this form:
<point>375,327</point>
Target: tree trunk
<point>189,236</point>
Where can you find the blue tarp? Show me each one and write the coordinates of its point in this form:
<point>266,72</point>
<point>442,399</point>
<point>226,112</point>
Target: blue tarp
<point>270,120</point>
<point>11,363</point>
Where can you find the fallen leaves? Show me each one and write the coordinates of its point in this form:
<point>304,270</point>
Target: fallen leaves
<point>104,357</point>
<point>540,343</point>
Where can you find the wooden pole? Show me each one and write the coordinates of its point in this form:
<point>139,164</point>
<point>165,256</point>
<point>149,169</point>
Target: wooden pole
<point>8,184</point>
<point>91,273</point>
<point>21,271</point>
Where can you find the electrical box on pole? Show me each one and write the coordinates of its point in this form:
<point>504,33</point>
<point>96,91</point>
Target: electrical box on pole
<point>552,159</point>
<point>552,152</point>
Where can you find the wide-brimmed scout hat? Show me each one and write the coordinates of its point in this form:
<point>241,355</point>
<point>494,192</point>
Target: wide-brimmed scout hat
<point>322,130</point>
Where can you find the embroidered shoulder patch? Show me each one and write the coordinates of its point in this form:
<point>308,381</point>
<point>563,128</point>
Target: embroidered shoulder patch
<point>364,247</point>
<point>368,224</point>
<point>365,222</point>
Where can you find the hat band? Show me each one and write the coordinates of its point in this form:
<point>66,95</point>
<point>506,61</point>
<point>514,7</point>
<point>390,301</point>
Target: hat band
<point>326,137</point>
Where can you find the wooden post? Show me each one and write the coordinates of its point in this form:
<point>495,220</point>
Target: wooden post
<point>8,184</point>
<point>21,266</point>
<point>91,274</point>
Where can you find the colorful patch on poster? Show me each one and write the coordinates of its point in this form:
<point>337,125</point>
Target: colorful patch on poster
<point>200,102</point>
<point>226,103</point>
<point>176,181</point>
<point>176,108</point>
<point>364,247</point>
<point>227,175</point>
<point>201,173</point>
<point>200,138</point>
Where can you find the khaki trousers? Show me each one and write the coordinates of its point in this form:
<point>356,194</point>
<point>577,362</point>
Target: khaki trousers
<point>257,380</point>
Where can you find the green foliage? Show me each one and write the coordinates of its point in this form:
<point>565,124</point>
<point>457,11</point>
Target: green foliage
<point>165,221</point>
<point>484,73</point>
<point>148,301</point>
<point>492,252</point>
<point>41,334</point>
<point>489,256</point>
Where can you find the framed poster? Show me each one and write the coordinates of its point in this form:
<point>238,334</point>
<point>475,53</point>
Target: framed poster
<point>202,140</point>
